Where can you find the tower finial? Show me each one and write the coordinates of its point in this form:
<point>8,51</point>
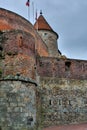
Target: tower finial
<point>41,12</point>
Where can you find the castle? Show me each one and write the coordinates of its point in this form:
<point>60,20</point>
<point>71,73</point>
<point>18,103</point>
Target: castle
<point>39,87</point>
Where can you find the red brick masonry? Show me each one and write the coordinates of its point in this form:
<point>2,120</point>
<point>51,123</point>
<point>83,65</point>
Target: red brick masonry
<point>68,127</point>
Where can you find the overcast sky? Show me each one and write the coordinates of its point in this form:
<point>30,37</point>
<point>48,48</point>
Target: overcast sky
<point>67,17</point>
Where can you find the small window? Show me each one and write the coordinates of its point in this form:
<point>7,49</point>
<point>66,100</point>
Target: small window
<point>45,34</point>
<point>29,120</point>
<point>67,66</point>
<point>59,101</point>
<point>20,41</point>
<point>69,102</point>
<point>1,48</point>
<point>41,64</point>
<point>50,102</point>
<point>20,37</point>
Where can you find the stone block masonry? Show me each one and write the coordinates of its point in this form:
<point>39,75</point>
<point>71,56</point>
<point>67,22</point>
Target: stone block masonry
<point>63,101</point>
<point>50,39</point>
<point>17,105</point>
<point>63,91</point>
<point>18,92</point>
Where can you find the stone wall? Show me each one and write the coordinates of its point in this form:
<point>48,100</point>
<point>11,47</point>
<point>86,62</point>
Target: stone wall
<point>62,68</point>
<point>12,21</point>
<point>63,101</point>
<point>50,39</point>
<point>63,85</point>
<point>17,54</point>
<point>18,94</point>
<point>18,104</point>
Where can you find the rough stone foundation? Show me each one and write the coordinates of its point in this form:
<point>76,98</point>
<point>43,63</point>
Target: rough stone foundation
<point>17,105</point>
<point>63,101</point>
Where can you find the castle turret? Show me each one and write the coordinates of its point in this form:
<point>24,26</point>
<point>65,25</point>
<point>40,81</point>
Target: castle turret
<point>48,35</point>
<point>17,73</point>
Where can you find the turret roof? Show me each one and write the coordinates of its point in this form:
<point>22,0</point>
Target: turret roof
<point>42,24</point>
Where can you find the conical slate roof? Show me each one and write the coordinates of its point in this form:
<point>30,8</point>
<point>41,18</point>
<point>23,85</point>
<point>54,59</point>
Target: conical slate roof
<point>42,24</point>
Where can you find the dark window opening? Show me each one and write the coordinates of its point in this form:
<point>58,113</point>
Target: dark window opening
<point>69,102</point>
<point>41,64</point>
<point>67,65</point>
<point>45,33</point>
<point>1,48</point>
<point>20,37</point>
<point>50,102</point>
<point>18,74</point>
<point>20,42</point>
<point>35,67</point>
<point>83,67</point>
<point>29,120</point>
<point>59,102</point>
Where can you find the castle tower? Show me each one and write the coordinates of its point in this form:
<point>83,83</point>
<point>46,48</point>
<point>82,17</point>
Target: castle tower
<point>17,73</point>
<point>48,35</point>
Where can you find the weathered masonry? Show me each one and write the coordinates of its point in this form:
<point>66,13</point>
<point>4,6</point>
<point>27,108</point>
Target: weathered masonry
<point>17,104</point>
<point>63,91</point>
<point>39,87</point>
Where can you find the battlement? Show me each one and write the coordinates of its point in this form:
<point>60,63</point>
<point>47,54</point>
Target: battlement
<point>62,68</point>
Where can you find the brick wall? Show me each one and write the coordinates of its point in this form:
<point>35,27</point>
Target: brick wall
<point>17,54</point>
<point>62,68</point>
<point>10,21</point>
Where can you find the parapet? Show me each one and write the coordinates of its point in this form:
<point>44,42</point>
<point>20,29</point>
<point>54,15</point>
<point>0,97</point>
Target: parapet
<point>62,68</point>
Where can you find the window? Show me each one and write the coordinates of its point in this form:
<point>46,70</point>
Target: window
<point>50,102</point>
<point>1,48</point>
<point>45,34</point>
<point>69,102</point>
<point>67,65</point>
<point>59,101</point>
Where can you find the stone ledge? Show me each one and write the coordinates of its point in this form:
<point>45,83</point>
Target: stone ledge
<point>18,78</point>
